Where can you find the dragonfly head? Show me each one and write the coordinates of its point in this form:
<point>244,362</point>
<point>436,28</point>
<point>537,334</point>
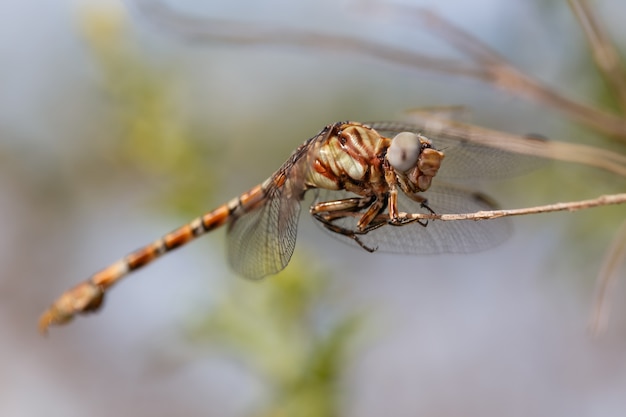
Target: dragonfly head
<point>413,157</point>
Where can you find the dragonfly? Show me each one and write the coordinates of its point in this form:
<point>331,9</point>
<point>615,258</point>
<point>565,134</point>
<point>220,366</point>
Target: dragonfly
<point>369,178</point>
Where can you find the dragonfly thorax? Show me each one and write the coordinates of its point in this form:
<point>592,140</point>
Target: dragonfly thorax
<point>348,156</point>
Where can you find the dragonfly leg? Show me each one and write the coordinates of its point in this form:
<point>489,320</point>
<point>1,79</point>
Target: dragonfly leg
<point>353,205</point>
<point>401,221</point>
<point>393,218</point>
<point>354,235</point>
<point>397,221</point>
<point>330,211</point>
<point>425,205</point>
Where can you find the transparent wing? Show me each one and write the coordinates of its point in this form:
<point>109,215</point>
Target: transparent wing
<point>437,236</point>
<point>466,160</point>
<point>261,242</point>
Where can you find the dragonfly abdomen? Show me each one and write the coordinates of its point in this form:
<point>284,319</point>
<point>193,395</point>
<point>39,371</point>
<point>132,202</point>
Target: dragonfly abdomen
<point>180,236</point>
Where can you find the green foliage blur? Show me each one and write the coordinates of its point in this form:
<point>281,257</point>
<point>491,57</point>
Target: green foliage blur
<point>150,136</point>
<point>285,331</point>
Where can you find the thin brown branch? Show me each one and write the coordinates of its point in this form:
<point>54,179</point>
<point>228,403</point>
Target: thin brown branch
<point>606,280</point>
<point>604,200</point>
<point>603,50</point>
<point>490,67</point>
<point>506,76</point>
<point>208,29</point>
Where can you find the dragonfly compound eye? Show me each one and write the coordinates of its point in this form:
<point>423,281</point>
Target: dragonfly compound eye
<point>404,151</point>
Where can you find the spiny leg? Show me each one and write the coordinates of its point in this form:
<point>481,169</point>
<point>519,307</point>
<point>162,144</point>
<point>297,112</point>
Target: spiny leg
<point>328,212</point>
<point>328,224</point>
<point>423,201</point>
<point>393,217</point>
<point>353,205</point>
<point>402,219</point>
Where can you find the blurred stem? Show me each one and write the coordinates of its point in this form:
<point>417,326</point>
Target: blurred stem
<point>606,280</point>
<point>603,50</point>
<point>487,66</point>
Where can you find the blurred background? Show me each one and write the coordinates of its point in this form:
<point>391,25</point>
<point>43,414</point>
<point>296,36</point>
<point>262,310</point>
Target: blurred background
<point>115,129</point>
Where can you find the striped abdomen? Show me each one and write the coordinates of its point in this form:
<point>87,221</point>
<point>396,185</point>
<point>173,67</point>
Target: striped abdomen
<point>88,295</point>
<point>184,234</point>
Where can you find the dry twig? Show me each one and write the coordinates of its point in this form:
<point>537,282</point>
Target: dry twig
<point>604,200</point>
<point>487,66</point>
